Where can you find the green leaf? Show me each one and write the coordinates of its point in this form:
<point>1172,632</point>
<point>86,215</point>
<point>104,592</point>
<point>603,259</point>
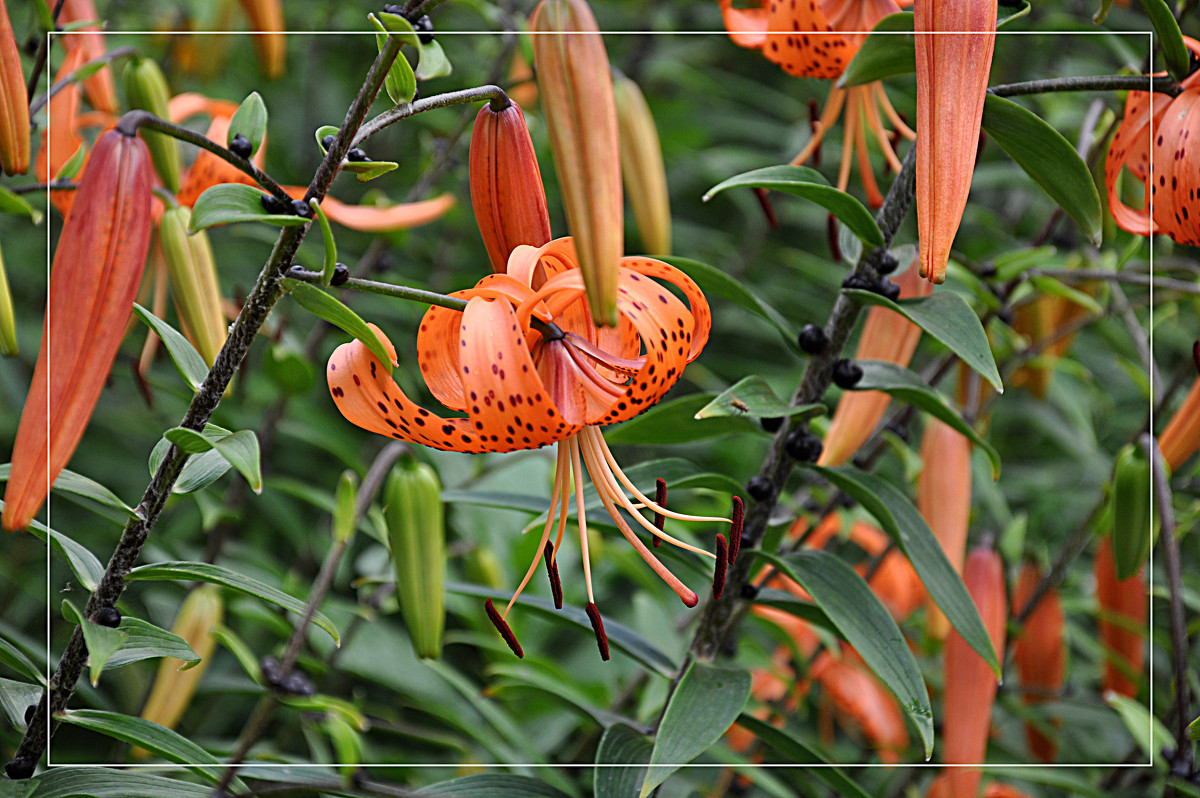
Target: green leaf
<point>805,610</point>
<point>12,656</point>
<point>947,317</point>
<point>109,783</point>
<point>1013,264</point>
<point>619,636</point>
<point>18,206</point>
<point>674,421</point>
<point>492,785</point>
<point>1023,9</point>
<point>369,170</point>
<point>215,574</point>
<point>79,485</point>
<point>432,62</point>
<point>70,170</point>
<point>1048,158</point>
<point>400,27</point>
<point>240,450</point>
<point>15,698</point>
<point>1050,285</point>
<point>87,569</point>
<point>226,203</point>
<point>188,440</point>
<point>198,472</point>
<point>889,51</point>
<point>101,641</point>
<point>811,185</point>
<point>146,641</point>
<point>908,387</point>
<point>324,306</point>
<point>1102,12</point>
<point>1147,731</point>
<point>187,360</point>
<point>241,652</point>
<point>156,739</point>
<point>866,625</point>
<point>704,705</point>
<point>751,397</point>
<point>1194,729</point>
<point>620,745</point>
<point>900,519</point>
<point>797,752</point>
<point>249,120</point>
<point>401,83</point>
<point>713,281</point>
<point>330,245</point>
<point>1166,29</point>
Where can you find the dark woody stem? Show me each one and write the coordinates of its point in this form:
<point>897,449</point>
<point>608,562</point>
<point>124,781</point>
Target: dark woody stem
<point>111,55</point>
<point>267,290</point>
<point>493,93</point>
<point>1163,85</point>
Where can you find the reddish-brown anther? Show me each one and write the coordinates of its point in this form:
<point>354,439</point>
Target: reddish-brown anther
<point>552,573</point>
<point>97,268</point>
<point>1122,623</point>
<point>14,105</point>
<point>506,184</point>
<point>593,614</point>
<point>1040,654</point>
<point>503,628</point>
<point>722,564</point>
<point>735,532</point>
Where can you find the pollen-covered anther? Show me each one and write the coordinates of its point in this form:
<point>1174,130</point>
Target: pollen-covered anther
<point>735,534</point>
<point>593,614</point>
<point>660,498</point>
<point>552,573</point>
<point>719,572</point>
<point>503,628</point>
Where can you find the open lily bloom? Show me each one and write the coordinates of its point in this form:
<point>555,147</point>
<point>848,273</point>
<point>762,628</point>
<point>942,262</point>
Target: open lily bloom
<point>817,40</point>
<point>527,365</point>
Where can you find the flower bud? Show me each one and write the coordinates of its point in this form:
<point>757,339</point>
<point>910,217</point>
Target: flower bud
<point>1040,654</point>
<point>576,91</point>
<point>97,268</point>
<point>202,612</point>
<point>944,500</point>
<point>642,167</point>
<point>417,533</point>
<point>1121,623</point>
<point>14,104</point>
<point>1134,525</point>
<point>146,88</point>
<point>506,184</point>
<point>1181,437</point>
<point>193,277</point>
<point>270,43</point>
<point>8,322</point>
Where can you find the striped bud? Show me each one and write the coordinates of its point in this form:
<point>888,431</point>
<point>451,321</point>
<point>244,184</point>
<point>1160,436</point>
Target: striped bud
<point>8,322</point>
<point>506,184</point>
<point>1040,654</point>
<point>970,682</point>
<point>575,85</point>
<point>95,275</point>
<point>1122,623</point>
<point>88,40</point>
<point>417,532</point>
<point>193,277</point>
<point>270,43</point>
<point>888,336</point>
<point>202,612</point>
<point>952,77</point>
<point>14,104</point>
<point>944,500</point>
<point>642,167</point>
<point>146,88</point>
<point>1134,525</point>
<point>1181,437</point>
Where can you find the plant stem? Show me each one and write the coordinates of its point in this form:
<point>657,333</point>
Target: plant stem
<point>43,55</point>
<point>30,188</point>
<point>400,112</point>
<point>267,290</point>
<point>1164,85</point>
<point>111,55</point>
<point>1079,275</point>
<point>386,289</point>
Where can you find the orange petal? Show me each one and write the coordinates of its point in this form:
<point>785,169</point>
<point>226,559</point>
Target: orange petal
<point>14,105</point>
<point>1121,623</point>
<point>189,104</point>
<point>208,170</point>
<point>952,77</point>
<point>97,268</point>
<point>270,43</point>
<point>944,500</point>
<point>806,44</point>
<point>101,92</point>
<point>60,138</point>
<point>747,26</point>
<point>1181,437</point>
<point>372,219</point>
<point>863,702</point>
<point>1039,653</point>
<point>1176,206</point>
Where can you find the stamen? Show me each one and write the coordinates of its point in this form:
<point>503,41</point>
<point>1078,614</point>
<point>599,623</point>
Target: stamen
<point>881,135</point>
<point>735,534</point>
<point>660,498</point>
<point>503,628</point>
<point>593,613</point>
<point>833,107</point>
<point>890,112</point>
<point>552,572</point>
<point>719,573</point>
<point>577,470</point>
<point>625,365</point>
<point>560,486</point>
<point>849,129</point>
<point>864,160</point>
<point>602,446</point>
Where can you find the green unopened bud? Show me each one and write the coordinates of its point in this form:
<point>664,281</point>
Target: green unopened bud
<point>193,277</point>
<point>1133,524</point>
<point>146,88</point>
<point>8,322</point>
<point>642,167</point>
<point>343,508</point>
<point>417,533</point>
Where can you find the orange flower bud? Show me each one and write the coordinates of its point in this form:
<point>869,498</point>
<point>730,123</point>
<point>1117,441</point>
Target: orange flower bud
<point>944,500</point>
<point>1181,438</point>
<point>270,43</point>
<point>1122,623</point>
<point>506,184</point>
<point>863,702</point>
<point>101,92</point>
<point>60,138</point>
<point>886,335</point>
<point>575,84</point>
<point>1040,653</point>
<point>97,268</point>
<point>952,78</point>
<point>14,104</point>
<point>970,683</point>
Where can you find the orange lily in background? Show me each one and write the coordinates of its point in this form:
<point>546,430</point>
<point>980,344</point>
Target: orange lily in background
<point>88,40</point>
<point>1181,437</point>
<point>1040,654</point>
<point>529,367</point>
<point>1044,318</point>
<point>862,702</point>
<point>97,268</point>
<point>952,78</point>
<point>888,336</point>
<point>818,40</point>
<point>1122,622</point>
<point>60,138</point>
<point>944,501</point>
<point>970,684</point>
<point>1157,121</point>
<point>14,104</point>
<point>270,43</point>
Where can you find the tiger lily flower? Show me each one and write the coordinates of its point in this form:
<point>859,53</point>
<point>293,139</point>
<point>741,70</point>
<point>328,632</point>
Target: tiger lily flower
<point>952,77</point>
<point>818,40</point>
<point>1181,437</point>
<point>1040,654</point>
<point>100,89</point>
<point>14,106</point>
<point>527,365</point>
<point>944,501</point>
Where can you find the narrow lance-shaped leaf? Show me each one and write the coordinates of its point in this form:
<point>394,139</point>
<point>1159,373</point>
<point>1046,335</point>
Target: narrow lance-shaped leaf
<point>752,397</point>
<point>325,306</point>
<point>226,203</point>
<point>101,641</point>
<point>249,120</point>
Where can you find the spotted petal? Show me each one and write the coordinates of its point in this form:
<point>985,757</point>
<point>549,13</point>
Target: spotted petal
<point>747,26</point>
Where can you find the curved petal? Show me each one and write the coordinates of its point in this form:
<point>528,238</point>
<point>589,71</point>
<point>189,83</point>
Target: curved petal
<point>401,216</point>
<point>63,114</point>
<point>1130,147</point>
<point>208,170</point>
<point>701,314</point>
<point>1175,212</point>
<point>189,104</point>
<point>747,26</point>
